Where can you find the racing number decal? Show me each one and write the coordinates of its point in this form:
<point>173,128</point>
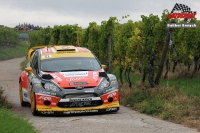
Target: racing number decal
<point>46,56</point>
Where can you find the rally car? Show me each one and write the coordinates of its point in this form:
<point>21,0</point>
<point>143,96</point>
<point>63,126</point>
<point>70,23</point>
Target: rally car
<point>66,79</point>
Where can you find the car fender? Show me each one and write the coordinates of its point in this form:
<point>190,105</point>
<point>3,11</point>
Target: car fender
<point>23,79</point>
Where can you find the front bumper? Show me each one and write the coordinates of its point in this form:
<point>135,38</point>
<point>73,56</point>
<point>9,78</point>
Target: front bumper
<point>46,104</point>
<point>56,110</point>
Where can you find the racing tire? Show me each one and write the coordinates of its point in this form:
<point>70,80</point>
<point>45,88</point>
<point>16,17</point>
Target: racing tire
<point>33,104</point>
<point>23,104</point>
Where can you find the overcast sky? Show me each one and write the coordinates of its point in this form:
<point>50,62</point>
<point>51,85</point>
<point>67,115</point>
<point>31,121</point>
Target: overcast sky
<point>60,12</point>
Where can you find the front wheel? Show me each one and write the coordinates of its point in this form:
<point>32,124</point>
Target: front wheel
<point>33,104</point>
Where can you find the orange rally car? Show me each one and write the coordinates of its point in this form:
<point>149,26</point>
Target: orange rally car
<point>66,79</point>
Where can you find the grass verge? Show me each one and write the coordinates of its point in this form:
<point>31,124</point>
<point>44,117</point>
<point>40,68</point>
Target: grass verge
<point>23,64</point>
<point>175,99</point>
<point>10,122</point>
<point>10,52</point>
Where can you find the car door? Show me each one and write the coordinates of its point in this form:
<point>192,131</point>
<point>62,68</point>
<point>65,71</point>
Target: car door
<point>34,66</point>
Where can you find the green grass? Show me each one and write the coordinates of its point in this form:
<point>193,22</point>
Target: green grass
<point>10,52</point>
<point>23,64</point>
<point>134,79</point>
<point>188,85</point>
<point>175,99</point>
<point>12,123</point>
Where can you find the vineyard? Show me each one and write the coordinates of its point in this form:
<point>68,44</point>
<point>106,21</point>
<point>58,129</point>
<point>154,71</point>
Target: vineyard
<point>8,36</point>
<point>146,46</point>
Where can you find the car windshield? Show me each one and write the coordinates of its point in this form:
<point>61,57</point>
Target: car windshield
<point>70,64</point>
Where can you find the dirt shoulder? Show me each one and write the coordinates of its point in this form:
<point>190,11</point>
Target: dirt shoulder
<point>125,121</point>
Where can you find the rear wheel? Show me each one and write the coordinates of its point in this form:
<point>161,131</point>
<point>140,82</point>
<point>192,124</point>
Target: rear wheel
<point>23,104</point>
<point>33,104</point>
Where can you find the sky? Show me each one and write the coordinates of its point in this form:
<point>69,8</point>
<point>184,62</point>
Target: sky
<point>61,12</point>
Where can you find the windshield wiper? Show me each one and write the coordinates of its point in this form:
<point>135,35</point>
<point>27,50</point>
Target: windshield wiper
<point>76,70</point>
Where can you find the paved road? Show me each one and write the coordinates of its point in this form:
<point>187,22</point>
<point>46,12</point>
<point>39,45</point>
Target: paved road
<point>125,121</point>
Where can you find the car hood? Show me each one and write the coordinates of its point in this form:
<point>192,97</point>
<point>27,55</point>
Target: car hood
<point>72,79</point>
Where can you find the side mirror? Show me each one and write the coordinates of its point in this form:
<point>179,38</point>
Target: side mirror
<point>104,67</point>
<point>28,69</point>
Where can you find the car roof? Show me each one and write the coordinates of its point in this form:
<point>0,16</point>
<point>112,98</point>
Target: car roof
<point>60,51</point>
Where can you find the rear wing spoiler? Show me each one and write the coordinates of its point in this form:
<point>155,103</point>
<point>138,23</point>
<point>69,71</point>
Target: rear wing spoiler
<point>31,51</point>
<point>58,48</point>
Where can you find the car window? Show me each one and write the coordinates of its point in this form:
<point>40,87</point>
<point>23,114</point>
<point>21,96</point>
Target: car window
<point>28,64</point>
<point>61,64</point>
<point>34,62</point>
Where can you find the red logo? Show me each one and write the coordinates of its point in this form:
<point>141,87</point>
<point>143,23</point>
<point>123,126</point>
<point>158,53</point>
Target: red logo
<point>182,11</point>
<point>181,15</point>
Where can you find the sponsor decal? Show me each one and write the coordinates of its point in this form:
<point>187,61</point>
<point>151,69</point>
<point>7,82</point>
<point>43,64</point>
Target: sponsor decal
<point>47,112</point>
<point>75,79</point>
<point>112,94</point>
<point>80,99</point>
<point>46,56</point>
<point>89,90</point>
<point>44,98</point>
<point>182,11</point>
<point>111,109</point>
<point>66,112</point>
<point>80,104</point>
<point>81,111</point>
<point>56,77</point>
<point>70,74</point>
<point>78,83</point>
<point>95,76</point>
<point>53,104</point>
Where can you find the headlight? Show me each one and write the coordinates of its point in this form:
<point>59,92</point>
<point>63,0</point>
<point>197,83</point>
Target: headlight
<point>104,84</point>
<point>50,86</point>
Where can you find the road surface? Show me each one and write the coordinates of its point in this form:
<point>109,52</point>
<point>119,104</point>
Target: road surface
<point>124,121</point>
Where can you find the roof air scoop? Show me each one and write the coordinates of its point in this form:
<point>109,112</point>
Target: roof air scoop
<point>65,48</point>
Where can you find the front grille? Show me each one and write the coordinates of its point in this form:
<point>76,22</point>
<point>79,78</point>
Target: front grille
<point>83,95</point>
<point>80,104</point>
